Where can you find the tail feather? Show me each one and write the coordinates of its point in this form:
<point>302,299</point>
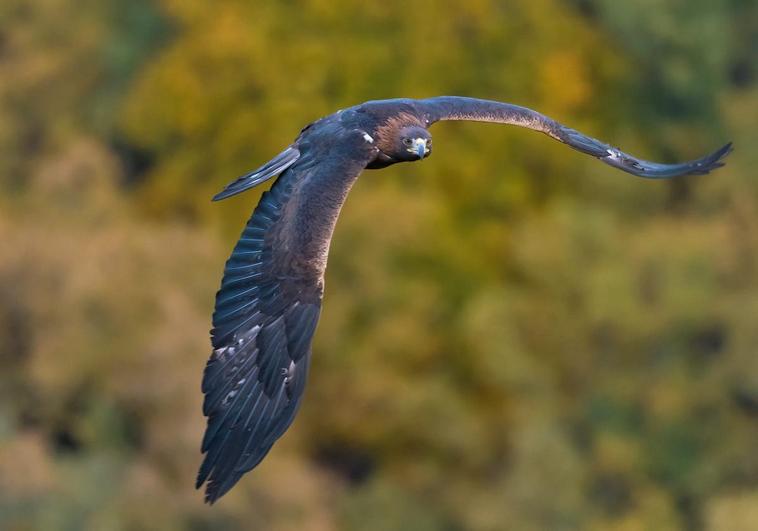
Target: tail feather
<point>274,167</point>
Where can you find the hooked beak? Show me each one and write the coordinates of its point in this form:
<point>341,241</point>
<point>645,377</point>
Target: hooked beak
<point>419,147</point>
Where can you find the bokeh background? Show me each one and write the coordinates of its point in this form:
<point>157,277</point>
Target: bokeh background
<point>514,335</point>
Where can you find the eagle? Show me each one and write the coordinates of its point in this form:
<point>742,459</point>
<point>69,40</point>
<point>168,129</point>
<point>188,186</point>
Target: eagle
<point>269,302</point>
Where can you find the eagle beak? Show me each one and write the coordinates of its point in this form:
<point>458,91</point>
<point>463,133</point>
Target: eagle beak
<point>420,147</point>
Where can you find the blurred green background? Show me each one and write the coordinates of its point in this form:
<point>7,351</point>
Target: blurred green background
<point>514,335</point>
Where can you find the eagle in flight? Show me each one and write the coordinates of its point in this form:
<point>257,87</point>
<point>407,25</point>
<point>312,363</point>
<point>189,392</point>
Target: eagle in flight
<point>270,297</point>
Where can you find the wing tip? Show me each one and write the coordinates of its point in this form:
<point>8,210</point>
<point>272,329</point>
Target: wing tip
<point>216,488</point>
<point>212,492</point>
<point>652,170</point>
<point>714,161</point>
<point>723,152</point>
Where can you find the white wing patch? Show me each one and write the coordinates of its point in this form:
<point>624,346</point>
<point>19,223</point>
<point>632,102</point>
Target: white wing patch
<point>367,137</point>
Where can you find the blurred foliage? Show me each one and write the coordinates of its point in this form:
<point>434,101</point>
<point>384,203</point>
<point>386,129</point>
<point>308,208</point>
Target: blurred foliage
<point>528,339</point>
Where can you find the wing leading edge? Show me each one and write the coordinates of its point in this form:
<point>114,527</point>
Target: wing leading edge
<point>462,108</point>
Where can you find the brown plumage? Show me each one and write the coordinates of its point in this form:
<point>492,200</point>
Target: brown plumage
<point>387,132</point>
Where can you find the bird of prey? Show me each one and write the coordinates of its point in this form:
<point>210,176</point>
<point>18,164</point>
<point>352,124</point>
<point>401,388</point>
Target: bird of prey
<point>270,296</point>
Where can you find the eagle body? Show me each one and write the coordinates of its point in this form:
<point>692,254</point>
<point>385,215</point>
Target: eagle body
<point>269,302</point>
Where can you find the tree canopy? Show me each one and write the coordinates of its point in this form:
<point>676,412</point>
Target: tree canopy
<point>514,335</point>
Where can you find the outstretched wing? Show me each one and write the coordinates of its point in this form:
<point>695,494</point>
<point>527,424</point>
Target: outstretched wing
<point>266,314</point>
<point>461,108</point>
<point>262,329</point>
